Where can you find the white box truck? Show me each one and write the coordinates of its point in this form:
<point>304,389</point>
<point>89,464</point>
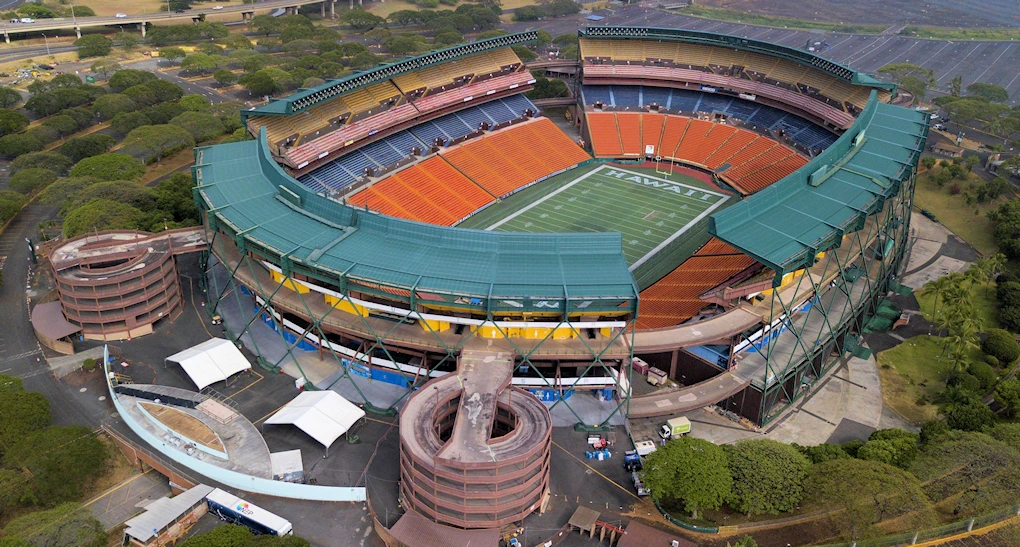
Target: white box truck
<point>675,427</point>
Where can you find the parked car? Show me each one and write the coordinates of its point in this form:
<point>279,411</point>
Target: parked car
<point>120,15</point>
<point>218,7</point>
<point>27,20</point>
<point>939,127</point>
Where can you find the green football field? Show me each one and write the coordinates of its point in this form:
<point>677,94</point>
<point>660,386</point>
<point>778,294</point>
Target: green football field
<point>648,210</point>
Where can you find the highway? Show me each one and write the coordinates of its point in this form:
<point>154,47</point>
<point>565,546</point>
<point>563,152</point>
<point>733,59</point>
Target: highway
<point>8,28</point>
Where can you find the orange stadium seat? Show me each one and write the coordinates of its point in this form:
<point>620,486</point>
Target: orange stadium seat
<point>674,298</point>
<point>715,138</point>
<point>651,131</point>
<point>630,133</point>
<point>431,191</point>
<point>672,134</point>
<point>605,135</point>
<point>515,156</point>
<point>730,148</point>
<point>692,143</point>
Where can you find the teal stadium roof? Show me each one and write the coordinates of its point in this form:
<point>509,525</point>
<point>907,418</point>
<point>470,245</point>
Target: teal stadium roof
<point>785,225</point>
<point>306,98</point>
<point>737,42</point>
<point>252,198</point>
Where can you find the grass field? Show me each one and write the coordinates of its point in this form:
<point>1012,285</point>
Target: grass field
<point>955,214</point>
<point>651,212</point>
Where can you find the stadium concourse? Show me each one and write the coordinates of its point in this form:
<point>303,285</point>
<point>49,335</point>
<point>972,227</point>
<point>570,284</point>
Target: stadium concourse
<point>729,210</point>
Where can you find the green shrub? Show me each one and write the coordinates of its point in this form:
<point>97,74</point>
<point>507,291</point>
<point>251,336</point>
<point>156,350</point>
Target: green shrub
<point>933,430</point>
<point>89,365</point>
<point>30,180</point>
<point>992,360</point>
<point>966,381</point>
<point>1001,344</point>
<point>984,373</point>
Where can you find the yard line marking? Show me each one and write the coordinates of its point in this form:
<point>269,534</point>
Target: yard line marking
<point>544,198</point>
<point>948,72</point>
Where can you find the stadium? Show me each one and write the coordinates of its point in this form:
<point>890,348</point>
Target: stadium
<point>725,209</point>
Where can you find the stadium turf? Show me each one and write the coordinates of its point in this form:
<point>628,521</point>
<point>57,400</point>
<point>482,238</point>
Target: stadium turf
<point>650,211</point>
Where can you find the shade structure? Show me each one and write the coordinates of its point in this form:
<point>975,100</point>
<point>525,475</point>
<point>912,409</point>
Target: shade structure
<point>211,361</point>
<point>323,415</point>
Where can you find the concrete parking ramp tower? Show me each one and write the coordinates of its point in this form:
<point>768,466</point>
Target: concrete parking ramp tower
<point>474,450</point>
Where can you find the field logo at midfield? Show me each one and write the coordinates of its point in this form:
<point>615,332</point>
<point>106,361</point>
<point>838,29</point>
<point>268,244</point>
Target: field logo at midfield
<point>656,183</point>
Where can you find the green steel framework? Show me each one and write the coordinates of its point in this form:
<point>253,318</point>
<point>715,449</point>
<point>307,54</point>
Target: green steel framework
<point>254,212</point>
<point>840,225</point>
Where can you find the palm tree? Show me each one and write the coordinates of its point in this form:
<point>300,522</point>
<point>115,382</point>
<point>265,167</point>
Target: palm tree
<point>937,287</point>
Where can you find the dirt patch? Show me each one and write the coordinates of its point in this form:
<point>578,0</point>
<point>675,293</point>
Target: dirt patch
<point>945,13</point>
<point>118,470</point>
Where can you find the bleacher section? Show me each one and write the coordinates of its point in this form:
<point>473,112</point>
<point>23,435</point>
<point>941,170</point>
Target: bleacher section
<point>674,298</point>
<point>722,60</point>
<point>753,161</point>
<point>333,141</point>
<point>801,131</point>
<point>431,191</point>
<point>516,156</point>
<point>439,78</point>
<point>345,170</point>
<point>600,74</point>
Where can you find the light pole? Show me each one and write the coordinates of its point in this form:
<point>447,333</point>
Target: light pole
<point>72,13</point>
<point>47,44</point>
<point>168,12</point>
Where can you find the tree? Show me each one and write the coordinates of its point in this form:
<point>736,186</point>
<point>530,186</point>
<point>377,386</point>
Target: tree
<point>64,125</point>
<point>37,11</point>
<point>9,97</point>
<point>266,81</point>
<point>527,13</point>
<point>86,146</point>
<point>105,67</point>
<point>406,17</point>
<point>202,126</point>
<point>56,162</point>
<point>66,525</point>
<point>933,430</point>
<point>823,452</point>
<point>545,88</point>
<point>21,412</point>
<point>954,86</point>
<point>895,447</point>
<point>1007,394</point>
<point>110,166</point>
<point>1007,433</point>
<point>198,63</point>
<point>524,53</point>
<point>63,461</point>
<point>364,60</point>
<point>10,203</point>
<point>968,415</point>
<point>27,181</point>
<point>108,106</point>
<point>378,35</point>
<point>61,191</point>
<point>361,20</point>
<point>123,79</point>
<point>140,197</point>
<point>100,214</point>
<point>195,103</point>
<point>1001,344</point>
<point>405,44</point>
<point>868,492</point>
<point>224,77</point>
<point>163,113</point>
<point>992,92</point>
<point>544,38</point>
<point>127,40</point>
<point>172,54</point>
<point>12,146</point>
<point>228,535</point>
<point>173,195</point>
<point>446,38</point>
<point>141,94</point>
<point>12,121</point>
<point>154,142</point>
<point>265,24</point>
<point>164,91</point>
<point>691,471</point>
<point>767,476</point>
<point>965,470</point>
<point>93,45</point>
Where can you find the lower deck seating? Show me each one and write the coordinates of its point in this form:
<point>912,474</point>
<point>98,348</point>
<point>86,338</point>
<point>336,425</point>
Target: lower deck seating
<point>752,161</point>
<point>431,191</point>
<point>674,298</point>
<point>516,156</point>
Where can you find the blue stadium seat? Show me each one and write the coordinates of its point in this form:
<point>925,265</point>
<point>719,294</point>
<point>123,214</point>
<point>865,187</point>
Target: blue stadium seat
<point>681,99</point>
<point>626,95</point>
<point>518,104</point>
<point>498,112</point>
<point>658,95</point>
<point>473,116</point>
<point>595,93</point>
<point>767,116</point>
<point>714,103</point>
<point>428,132</point>
<point>742,109</point>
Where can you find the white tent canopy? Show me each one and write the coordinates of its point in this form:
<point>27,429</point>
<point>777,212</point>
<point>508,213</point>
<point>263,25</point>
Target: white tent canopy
<point>323,415</point>
<point>211,361</point>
